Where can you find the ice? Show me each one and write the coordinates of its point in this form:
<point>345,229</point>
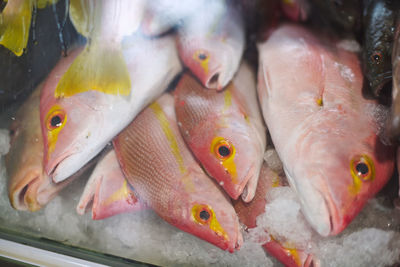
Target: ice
<point>283,219</point>
<point>4,141</point>
<point>349,45</point>
<point>366,247</point>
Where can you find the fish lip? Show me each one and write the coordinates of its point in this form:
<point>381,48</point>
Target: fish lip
<point>308,210</point>
<point>51,169</point>
<point>19,197</point>
<point>380,81</point>
<point>246,197</point>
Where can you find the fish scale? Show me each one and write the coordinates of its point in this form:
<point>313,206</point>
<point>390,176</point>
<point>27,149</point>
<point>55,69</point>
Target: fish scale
<point>165,176</point>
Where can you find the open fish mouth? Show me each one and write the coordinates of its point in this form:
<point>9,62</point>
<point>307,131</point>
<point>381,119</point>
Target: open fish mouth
<point>23,196</point>
<point>381,82</point>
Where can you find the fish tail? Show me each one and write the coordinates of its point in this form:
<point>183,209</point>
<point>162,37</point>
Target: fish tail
<point>15,21</point>
<point>98,67</point>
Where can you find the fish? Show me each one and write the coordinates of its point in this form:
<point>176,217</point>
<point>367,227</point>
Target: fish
<point>108,190</point>
<point>77,128</point>
<point>393,122</point>
<point>324,130</point>
<point>296,10</point>
<point>101,65</point>
<point>166,177</point>
<point>379,24</point>
<point>211,43</point>
<point>15,22</point>
<point>29,188</point>
<point>224,130</point>
<point>345,14</point>
<point>248,213</point>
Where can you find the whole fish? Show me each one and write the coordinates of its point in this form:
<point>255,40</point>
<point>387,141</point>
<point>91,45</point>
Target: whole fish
<point>224,130</point>
<point>248,212</point>
<point>77,128</point>
<point>379,24</point>
<point>343,13</point>
<point>108,191</point>
<point>323,129</point>
<point>101,66</point>
<point>211,43</point>
<point>15,22</point>
<point>393,125</point>
<point>156,162</point>
<point>29,187</point>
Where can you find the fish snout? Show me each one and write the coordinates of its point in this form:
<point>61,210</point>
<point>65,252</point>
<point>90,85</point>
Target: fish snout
<point>23,196</point>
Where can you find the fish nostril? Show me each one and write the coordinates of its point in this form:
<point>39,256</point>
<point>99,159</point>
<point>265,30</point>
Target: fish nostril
<point>213,82</point>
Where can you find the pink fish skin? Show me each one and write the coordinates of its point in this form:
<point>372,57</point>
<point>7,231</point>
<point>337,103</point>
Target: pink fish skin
<point>156,162</point>
<point>323,129</point>
<point>248,212</point>
<point>29,187</point>
<point>230,120</point>
<point>76,128</point>
<point>108,190</point>
<point>211,43</point>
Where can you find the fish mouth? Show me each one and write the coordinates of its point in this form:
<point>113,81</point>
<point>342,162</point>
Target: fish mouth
<point>317,208</point>
<point>212,81</point>
<point>250,186</point>
<point>378,85</point>
<point>24,195</point>
<point>53,168</point>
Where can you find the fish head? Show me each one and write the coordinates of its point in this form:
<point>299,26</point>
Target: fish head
<point>221,135</point>
<point>210,216</point>
<point>335,176</point>
<point>28,186</point>
<point>70,125</point>
<point>70,128</point>
<point>24,167</point>
<point>209,64</point>
<point>227,152</point>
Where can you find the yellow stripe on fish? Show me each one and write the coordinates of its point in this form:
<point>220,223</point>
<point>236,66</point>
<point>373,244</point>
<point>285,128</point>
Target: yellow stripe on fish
<point>203,58</point>
<point>99,68</point>
<point>204,214</point>
<point>55,120</point>
<point>169,134</point>
<point>362,170</point>
<point>225,153</point>
<point>121,194</point>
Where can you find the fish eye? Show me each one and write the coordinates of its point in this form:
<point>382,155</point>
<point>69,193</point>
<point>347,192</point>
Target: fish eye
<point>202,213</point>
<point>56,119</point>
<point>202,56</point>
<point>223,149</point>
<point>363,168</point>
<point>376,57</point>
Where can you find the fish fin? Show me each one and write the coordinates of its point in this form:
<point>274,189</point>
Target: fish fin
<point>99,68</point>
<point>15,22</point>
<point>44,3</point>
<point>81,13</point>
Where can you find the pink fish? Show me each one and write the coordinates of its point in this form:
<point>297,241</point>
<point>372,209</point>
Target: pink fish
<point>323,129</point>
<point>29,187</point>
<point>211,43</point>
<point>224,130</point>
<point>156,162</point>
<point>248,212</point>
<point>77,128</point>
<point>108,191</point>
